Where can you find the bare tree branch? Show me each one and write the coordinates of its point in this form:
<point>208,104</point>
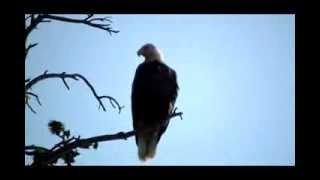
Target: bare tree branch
<point>45,21</point>
<point>174,113</point>
<point>28,105</point>
<point>33,147</point>
<point>52,155</point>
<point>35,20</point>
<point>86,21</point>
<point>27,50</point>
<point>64,147</point>
<point>33,24</point>
<point>75,76</point>
<point>89,16</point>
<point>112,101</point>
<point>44,18</point>
<point>101,19</point>
<point>34,95</point>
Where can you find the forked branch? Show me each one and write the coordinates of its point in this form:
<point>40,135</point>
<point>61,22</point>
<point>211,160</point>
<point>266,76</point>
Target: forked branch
<point>63,76</point>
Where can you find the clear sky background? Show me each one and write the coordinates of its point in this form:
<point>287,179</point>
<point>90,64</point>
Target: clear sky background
<point>236,77</point>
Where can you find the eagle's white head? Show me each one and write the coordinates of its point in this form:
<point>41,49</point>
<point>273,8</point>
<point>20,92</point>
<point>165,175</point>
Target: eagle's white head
<point>150,52</point>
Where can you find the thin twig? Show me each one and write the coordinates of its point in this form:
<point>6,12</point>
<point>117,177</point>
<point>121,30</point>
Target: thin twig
<point>101,19</point>
<point>29,106</point>
<point>89,16</point>
<point>34,95</point>
<point>112,101</point>
<point>174,113</point>
<point>27,50</point>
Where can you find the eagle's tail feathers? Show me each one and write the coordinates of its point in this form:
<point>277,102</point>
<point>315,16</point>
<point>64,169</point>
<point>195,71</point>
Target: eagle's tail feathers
<point>146,147</point>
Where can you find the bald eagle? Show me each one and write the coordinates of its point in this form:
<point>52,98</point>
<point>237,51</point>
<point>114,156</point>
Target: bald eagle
<point>154,92</point>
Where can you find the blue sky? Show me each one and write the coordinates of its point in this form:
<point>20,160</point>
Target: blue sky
<point>236,77</point>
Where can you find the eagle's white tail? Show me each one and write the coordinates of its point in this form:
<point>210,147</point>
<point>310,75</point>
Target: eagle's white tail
<point>146,147</point>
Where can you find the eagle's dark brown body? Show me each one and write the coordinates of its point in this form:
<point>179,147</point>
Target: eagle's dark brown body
<point>154,93</point>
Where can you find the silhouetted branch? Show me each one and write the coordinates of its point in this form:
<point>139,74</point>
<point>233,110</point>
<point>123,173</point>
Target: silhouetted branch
<point>63,148</point>
<point>35,20</point>
<point>75,76</point>
<point>27,50</point>
<point>34,95</point>
<point>27,101</point>
<point>86,21</point>
<point>44,18</point>
<point>32,110</point>
<point>90,21</point>
<point>174,113</point>
<point>33,147</point>
<point>33,24</point>
<point>112,101</point>
<point>89,16</point>
<point>50,156</point>
<point>34,150</point>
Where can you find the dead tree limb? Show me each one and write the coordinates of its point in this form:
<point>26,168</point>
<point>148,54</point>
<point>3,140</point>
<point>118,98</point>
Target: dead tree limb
<point>91,21</point>
<point>63,148</point>
<point>63,76</point>
<point>35,20</point>
<point>87,21</point>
